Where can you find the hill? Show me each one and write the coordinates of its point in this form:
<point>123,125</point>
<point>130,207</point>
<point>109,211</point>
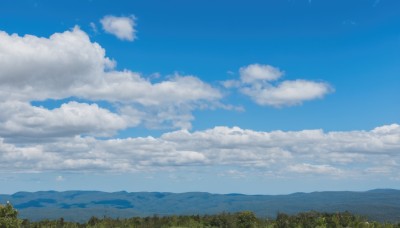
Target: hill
<point>379,205</point>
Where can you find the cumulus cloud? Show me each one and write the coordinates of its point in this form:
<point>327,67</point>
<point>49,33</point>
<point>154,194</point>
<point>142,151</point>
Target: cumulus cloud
<point>69,65</point>
<point>38,68</point>
<point>130,87</point>
<point>257,72</point>
<point>121,27</point>
<point>22,120</point>
<point>287,93</point>
<point>281,153</point>
<point>259,83</point>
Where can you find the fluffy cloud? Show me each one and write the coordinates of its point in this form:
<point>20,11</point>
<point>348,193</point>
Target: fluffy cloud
<point>22,120</point>
<point>39,68</point>
<point>257,82</point>
<point>121,27</point>
<point>69,65</point>
<point>280,153</point>
<point>129,87</point>
<point>256,72</point>
<point>287,93</point>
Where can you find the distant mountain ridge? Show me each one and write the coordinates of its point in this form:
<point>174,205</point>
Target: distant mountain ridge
<point>378,204</point>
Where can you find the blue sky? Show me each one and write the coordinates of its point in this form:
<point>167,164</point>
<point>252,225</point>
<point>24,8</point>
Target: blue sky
<point>258,97</point>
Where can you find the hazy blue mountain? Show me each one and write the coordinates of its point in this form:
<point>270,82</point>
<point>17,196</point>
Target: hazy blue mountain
<point>379,204</point>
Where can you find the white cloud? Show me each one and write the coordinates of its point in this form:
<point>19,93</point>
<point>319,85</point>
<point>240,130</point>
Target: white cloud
<point>259,82</point>
<point>93,26</point>
<point>280,153</point>
<point>39,68</point>
<point>22,120</point>
<point>231,84</point>
<point>257,72</point>
<point>314,169</point>
<point>69,65</point>
<point>287,93</point>
<point>121,27</point>
<point>130,87</point>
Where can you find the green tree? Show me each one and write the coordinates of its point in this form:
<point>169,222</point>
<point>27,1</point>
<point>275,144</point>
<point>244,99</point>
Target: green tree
<point>9,216</point>
<point>93,221</point>
<point>282,220</point>
<point>246,219</point>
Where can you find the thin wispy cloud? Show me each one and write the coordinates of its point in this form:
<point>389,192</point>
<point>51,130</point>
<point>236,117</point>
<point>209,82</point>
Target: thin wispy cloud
<point>93,26</point>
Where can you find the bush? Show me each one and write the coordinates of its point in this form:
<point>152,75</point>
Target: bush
<point>246,219</point>
<point>8,216</point>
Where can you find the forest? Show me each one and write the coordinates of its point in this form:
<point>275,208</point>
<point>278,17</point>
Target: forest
<point>244,219</point>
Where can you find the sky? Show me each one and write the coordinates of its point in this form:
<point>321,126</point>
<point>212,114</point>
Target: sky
<point>254,97</point>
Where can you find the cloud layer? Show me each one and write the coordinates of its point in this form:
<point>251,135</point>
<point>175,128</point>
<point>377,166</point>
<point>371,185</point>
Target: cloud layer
<point>276,153</point>
<point>98,101</point>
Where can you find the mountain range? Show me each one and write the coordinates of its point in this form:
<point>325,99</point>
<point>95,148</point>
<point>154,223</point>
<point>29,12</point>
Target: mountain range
<point>379,204</point>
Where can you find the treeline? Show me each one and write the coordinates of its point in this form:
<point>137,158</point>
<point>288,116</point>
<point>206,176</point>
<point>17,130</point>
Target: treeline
<point>244,219</point>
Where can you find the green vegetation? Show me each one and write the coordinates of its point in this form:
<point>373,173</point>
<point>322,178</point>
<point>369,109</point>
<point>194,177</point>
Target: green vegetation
<point>8,216</point>
<point>244,219</point>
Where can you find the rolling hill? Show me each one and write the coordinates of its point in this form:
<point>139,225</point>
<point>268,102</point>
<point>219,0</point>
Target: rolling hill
<point>379,204</point>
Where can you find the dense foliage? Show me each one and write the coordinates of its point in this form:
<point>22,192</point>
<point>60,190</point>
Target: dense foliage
<point>244,219</point>
<point>8,216</point>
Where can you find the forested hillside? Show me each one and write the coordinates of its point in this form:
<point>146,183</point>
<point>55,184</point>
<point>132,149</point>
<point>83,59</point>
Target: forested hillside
<point>80,206</point>
<point>245,219</point>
